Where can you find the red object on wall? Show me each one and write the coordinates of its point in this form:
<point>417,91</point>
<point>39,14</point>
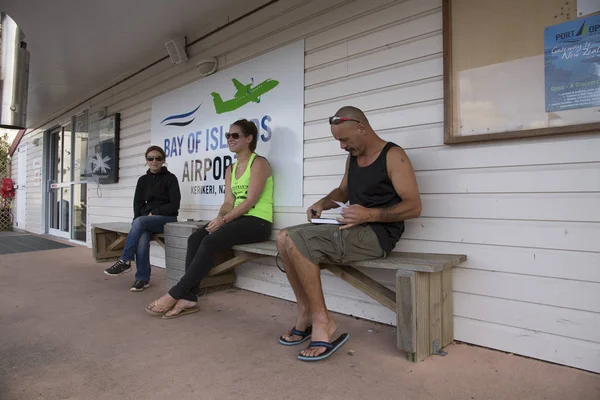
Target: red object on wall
<point>7,191</point>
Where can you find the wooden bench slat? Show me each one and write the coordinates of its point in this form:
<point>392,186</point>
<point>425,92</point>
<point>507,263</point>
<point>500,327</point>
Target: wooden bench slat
<point>186,224</point>
<point>263,248</point>
<point>397,260</point>
<point>455,259</point>
<point>120,227</point>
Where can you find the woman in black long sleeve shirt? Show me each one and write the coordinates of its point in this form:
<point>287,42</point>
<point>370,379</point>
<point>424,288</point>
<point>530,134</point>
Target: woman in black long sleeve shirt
<point>155,203</point>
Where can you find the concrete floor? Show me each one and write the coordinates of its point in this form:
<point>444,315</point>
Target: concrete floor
<point>67,331</point>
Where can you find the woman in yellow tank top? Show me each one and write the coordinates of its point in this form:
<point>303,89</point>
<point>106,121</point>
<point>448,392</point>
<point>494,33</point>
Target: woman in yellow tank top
<point>246,216</point>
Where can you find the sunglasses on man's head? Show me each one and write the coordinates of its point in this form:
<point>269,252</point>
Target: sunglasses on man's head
<point>339,120</point>
<point>233,135</point>
<point>159,158</point>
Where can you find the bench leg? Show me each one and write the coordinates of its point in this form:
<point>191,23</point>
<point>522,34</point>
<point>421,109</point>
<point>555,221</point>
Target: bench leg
<point>424,313</point>
<point>412,314</point>
<point>406,315</point>
<point>104,243</point>
<point>447,308</point>
<point>95,243</point>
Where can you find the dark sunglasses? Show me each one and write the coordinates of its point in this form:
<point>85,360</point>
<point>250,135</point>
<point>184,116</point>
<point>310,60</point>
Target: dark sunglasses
<point>159,158</point>
<point>339,120</point>
<point>234,135</point>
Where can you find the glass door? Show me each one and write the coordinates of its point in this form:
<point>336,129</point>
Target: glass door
<point>67,193</point>
<point>59,179</point>
<point>79,183</point>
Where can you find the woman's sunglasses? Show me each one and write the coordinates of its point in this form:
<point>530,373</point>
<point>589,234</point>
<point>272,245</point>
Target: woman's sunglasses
<point>233,135</point>
<point>339,120</point>
<point>159,158</point>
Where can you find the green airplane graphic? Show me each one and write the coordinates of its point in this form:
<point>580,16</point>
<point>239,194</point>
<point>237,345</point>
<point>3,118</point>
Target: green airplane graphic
<point>244,95</point>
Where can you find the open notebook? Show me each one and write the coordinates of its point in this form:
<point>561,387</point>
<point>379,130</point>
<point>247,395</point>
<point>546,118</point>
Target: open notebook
<point>331,220</point>
<point>325,221</point>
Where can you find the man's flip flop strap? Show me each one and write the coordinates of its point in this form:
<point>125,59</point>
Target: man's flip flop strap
<point>300,333</point>
<point>303,334</point>
<point>321,344</point>
<point>331,348</point>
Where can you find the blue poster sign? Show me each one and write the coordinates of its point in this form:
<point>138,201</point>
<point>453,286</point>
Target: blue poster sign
<point>572,64</point>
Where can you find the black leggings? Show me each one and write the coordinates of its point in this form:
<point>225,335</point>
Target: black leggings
<point>202,248</point>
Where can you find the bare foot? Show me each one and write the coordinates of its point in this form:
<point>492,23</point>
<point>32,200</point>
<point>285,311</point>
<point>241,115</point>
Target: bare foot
<point>162,305</point>
<point>180,306</point>
<point>302,322</point>
<point>323,328</point>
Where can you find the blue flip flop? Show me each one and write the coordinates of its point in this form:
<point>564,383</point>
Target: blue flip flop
<point>331,348</point>
<point>305,335</point>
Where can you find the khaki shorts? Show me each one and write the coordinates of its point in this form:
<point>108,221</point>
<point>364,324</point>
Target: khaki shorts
<point>325,243</point>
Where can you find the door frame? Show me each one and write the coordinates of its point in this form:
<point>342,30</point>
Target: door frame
<point>45,186</point>
<point>21,188</point>
<point>48,153</point>
<point>46,174</point>
<point>58,232</point>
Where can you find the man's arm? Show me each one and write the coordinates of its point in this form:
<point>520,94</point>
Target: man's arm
<point>403,178</point>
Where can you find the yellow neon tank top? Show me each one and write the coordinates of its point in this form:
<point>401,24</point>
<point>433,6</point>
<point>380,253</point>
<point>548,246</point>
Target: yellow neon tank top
<point>239,187</point>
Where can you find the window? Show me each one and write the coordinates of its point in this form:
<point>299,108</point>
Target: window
<point>517,68</point>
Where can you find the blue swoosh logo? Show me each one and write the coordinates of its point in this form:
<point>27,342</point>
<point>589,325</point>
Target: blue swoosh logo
<point>178,116</point>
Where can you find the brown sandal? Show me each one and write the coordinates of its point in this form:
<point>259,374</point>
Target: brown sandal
<point>181,312</point>
<point>150,311</point>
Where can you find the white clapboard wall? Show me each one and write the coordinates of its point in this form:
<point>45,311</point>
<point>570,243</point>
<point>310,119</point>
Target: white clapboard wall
<point>14,173</point>
<point>526,212</point>
<point>33,211</point>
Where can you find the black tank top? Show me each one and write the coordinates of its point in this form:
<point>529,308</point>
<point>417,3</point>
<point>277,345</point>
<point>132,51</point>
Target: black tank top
<point>371,187</point>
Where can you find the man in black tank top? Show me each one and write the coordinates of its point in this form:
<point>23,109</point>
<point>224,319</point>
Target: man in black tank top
<point>381,188</point>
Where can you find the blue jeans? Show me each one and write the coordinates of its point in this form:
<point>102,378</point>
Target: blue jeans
<point>138,242</point>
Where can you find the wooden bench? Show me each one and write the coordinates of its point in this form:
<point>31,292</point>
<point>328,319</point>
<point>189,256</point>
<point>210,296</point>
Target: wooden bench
<point>108,240</point>
<point>422,300</point>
